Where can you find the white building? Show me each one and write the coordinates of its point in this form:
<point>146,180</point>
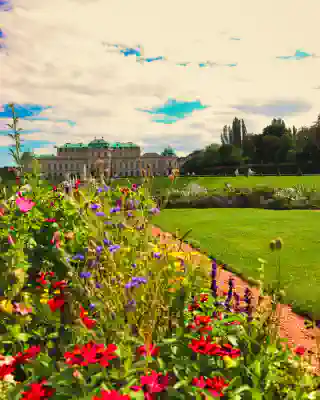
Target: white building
<point>113,159</point>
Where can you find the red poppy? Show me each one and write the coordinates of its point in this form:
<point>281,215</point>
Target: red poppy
<point>111,395</point>
<point>150,350</point>
<point>59,285</point>
<point>41,279</point>
<point>300,350</point>
<point>2,211</point>
<point>56,303</point>
<point>214,385</point>
<point>38,391</point>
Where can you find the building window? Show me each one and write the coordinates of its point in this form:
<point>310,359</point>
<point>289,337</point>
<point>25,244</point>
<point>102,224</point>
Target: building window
<point>66,166</point>
<point>132,164</point>
<point>60,166</point>
<point>142,164</point>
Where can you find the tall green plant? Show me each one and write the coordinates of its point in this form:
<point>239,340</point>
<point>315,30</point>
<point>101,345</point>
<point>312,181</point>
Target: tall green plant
<point>15,152</point>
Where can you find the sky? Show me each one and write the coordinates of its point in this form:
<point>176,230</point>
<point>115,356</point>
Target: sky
<point>156,74</point>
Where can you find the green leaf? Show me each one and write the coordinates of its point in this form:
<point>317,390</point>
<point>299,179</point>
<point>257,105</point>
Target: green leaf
<point>23,337</point>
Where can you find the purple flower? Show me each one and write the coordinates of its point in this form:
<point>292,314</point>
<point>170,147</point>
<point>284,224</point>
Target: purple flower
<point>134,265</point>
<point>99,249</point>
<point>130,306</point>
<point>130,214</point>
<point>121,225</point>
<point>92,306</point>
<point>107,242</point>
<point>100,214</point>
<point>118,203</point>
<point>154,210</point>
<point>113,248</point>
<point>98,285</point>
<point>94,206</point>
<point>106,188</point>
<point>115,210</point>
<point>136,281</point>
<point>85,274</point>
<point>78,257</point>
<point>157,255</point>
<point>214,286</point>
<point>99,190</point>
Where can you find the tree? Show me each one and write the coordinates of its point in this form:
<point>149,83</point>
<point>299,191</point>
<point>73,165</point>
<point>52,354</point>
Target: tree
<point>276,128</point>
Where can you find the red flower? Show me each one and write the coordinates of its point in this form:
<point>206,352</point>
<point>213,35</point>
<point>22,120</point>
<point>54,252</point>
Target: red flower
<point>42,279</point>
<point>204,297</point>
<point>2,211</point>
<point>6,370</point>
<point>214,385</point>
<point>151,384</point>
<point>88,322</point>
<point>111,395</point>
<point>205,346</point>
<point>50,220</point>
<point>30,353</point>
<point>59,285</point>
<point>150,350</point>
<point>38,391</point>
<point>194,306</point>
<point>56,303</point>
<point>91,353</point>
<point>300,350</point>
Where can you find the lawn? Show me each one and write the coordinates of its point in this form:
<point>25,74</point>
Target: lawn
<point>238,237</point>
<point>212,182</point>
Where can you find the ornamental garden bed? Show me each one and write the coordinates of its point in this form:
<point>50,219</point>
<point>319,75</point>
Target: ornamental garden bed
<point>95,307</point>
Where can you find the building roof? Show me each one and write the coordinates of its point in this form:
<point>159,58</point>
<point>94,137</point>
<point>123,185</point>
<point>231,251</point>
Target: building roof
<point>150,155</point>
<point>98,144</point>
<point>168,152</point>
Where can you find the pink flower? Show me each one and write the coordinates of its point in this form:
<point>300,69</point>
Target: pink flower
<point>10,240</point>
<point>24,205</point>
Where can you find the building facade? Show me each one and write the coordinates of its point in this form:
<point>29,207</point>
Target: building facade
<point>112,159</point>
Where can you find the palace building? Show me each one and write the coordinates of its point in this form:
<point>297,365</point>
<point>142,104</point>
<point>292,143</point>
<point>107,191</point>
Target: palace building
<point>78,160</point>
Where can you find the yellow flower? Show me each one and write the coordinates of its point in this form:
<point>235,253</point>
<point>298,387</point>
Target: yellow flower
<point>6,306</point>
<point>229,362</point>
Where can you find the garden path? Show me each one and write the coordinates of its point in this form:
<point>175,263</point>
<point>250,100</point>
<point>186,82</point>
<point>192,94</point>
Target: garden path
<point>291,326</point>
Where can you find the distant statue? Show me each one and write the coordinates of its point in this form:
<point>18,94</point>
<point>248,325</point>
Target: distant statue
<point>250,172</point>
<point>236,172</point>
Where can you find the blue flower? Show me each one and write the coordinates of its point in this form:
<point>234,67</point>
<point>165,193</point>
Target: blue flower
<point>94,206</point>
<point>98,285</point>
<point>113,248</point>
<point>99,190</point>
<point>115,210</point>
<point>99,249</point>
<point>106,188</point>
<point>100,214</point>
<point>107,242</point>
<point>92,306</point>
<point>136,281</point>
<point>134,265</point>
<point>78,257</point>
<point>85,274</point>
<point>157,255</point>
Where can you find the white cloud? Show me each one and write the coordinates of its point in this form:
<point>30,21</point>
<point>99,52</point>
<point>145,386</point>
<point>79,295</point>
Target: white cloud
<point>56,57</point>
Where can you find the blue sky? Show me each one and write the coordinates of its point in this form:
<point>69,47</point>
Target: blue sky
<point>112,69</point>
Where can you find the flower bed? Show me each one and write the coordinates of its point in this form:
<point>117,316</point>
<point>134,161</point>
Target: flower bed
<point>93,307</point>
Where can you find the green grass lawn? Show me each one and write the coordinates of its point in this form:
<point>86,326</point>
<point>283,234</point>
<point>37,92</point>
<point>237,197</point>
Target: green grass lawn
<point>212,182</point>
<point>238,237</point>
